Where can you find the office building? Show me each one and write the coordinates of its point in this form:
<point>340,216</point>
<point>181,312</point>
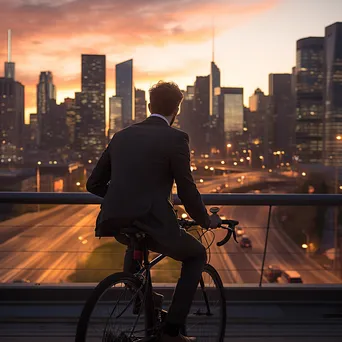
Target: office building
<point>309,89</point>
<point>283,115</point>
<point>140,105</point>
<point>46,91</point>
<point>201,138</point>
<point>92,138</point>
<point>11,120</point>
<point>186,115</point>
<point>125,90</point>
<point>259,127</point>
<point>56,132</point>
<point>115,115</point>
<point>33,130</point>
<point>215,82</point>
<point>9,65</point>
<point>231,116</point>
<point>71,114</point>
<point>333,94</point>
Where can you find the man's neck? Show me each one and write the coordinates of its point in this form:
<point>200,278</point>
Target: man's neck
<point>168,119</point>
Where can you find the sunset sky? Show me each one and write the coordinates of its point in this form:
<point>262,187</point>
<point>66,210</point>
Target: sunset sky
<point>168,39</point>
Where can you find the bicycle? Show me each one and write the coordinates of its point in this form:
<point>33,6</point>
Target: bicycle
<point>136,293</point>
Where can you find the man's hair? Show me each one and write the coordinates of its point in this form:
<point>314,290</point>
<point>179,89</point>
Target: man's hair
<point>165,98</point>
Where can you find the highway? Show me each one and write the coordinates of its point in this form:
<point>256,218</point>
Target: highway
<point>48,246</point>
<point>50,250</point>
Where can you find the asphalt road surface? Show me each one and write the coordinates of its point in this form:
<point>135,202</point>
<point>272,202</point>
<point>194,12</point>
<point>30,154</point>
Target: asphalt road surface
<point>46,247</point>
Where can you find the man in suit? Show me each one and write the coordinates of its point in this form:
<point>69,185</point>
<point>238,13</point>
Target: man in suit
<point>135,175</point>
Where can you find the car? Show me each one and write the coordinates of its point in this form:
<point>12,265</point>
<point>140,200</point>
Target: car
<point>272,273</point>
<point>290,277</point>
<point>21,281</point>
<point>245,242</point>
<point>239,231</point>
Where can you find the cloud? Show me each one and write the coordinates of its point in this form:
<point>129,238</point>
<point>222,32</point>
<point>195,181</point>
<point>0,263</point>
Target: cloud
<point>52,34</point>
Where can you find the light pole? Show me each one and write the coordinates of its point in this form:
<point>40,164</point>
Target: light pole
<point>336,187</point>
<point>250,158</point>
<point>229,146</point>
<point>38,181</point>
<point>306,245</point>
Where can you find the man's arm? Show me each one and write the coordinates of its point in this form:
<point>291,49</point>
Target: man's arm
<point>186,187</point>
<point>97,183</point>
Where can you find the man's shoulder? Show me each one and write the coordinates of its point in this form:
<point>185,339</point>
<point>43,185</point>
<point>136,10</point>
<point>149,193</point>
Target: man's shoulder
<point>178,133</point>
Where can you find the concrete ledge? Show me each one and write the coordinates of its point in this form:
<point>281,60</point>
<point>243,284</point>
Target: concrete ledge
<point>235,293</point>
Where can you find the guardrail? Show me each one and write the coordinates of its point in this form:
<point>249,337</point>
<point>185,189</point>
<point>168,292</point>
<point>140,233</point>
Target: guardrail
<point>209,199</point>
<point>269,200</point>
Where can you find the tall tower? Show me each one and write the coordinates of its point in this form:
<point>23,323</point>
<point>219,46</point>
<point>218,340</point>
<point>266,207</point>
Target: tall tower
<point>125,89</point>
<point>93,107</point>
<point>332,95</point>
<point>309,91</point>
<point>9,65</point>
<point>46,91</point>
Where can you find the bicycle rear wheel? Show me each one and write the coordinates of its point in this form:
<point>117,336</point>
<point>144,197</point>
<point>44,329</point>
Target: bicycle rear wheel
<point>207,316</point>
<point>110,314</point>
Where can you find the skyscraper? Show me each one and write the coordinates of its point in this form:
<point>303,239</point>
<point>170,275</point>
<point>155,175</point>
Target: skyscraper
<point>56,134</point>
<point>46,91</point>
<point>201,138</point>
<point>186,116</point>
<point>215,82</point>
<point>33,130</point>
<point>125,90</point>
<point>71,113</point>
<point>333,94</point>
<point>11,119</point>
<point>9,65</point>
<point>231,115</point>
<point>115,115</point>
<point>140,105</point>
<point>283,114</point>
<point>93,106</point>
<point>11,113</point>
<point>259,127</point>
<point>309,85</point>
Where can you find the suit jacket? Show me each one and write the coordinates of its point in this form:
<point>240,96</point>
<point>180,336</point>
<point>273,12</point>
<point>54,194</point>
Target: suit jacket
<point>136,172</point>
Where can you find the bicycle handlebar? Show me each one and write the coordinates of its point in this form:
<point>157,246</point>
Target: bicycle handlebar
<point>230,229</point>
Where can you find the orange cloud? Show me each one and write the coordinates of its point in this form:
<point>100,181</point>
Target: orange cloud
<point>52,34</point>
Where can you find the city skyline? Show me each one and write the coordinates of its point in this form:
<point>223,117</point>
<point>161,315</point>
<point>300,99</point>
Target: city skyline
<point>35,50</point>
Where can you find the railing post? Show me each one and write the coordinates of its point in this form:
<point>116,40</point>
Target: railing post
<point>265,247</point>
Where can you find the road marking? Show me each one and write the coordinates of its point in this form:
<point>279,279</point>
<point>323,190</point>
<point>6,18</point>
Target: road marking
<point>19,268</point>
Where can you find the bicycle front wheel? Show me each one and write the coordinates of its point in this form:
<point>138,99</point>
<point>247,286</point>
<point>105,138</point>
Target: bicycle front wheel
<point>114,311</point>
<point>207,316</point>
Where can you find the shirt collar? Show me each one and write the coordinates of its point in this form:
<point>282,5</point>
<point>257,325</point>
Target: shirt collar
<point>162,117</point>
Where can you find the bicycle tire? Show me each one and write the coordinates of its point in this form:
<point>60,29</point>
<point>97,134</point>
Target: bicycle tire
<point>221,327</point>
<point>100,289</point>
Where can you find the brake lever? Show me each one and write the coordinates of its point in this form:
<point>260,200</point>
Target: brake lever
<point>234,235</point>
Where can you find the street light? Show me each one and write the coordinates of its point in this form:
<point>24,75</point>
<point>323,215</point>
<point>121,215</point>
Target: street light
<point>303,174</point>
<point>78,183</point>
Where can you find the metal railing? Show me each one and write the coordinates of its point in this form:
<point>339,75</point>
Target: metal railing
<point>269,200</point>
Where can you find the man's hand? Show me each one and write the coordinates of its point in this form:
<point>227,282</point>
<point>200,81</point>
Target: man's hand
<point>215,221</point>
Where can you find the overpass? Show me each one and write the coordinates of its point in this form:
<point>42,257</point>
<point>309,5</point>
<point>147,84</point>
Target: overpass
<point>46,245</point>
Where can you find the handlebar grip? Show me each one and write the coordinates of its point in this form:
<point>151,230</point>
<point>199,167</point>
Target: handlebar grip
<point>226,239</point>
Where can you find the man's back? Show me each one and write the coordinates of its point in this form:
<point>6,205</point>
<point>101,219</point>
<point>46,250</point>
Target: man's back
<point>140,166</point>
<point>141,163</point>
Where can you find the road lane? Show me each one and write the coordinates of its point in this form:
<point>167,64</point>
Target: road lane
<point>52,243</point>
<point>281,249</point>
<point>50,250</point>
